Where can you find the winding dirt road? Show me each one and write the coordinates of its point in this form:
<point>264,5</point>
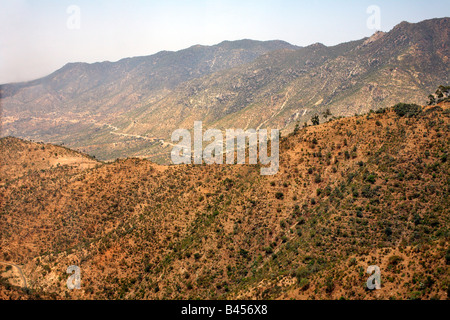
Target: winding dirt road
<point>24,280</point>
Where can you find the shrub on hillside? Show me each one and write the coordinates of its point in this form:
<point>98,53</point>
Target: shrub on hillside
<point>279,195</point>
<point>407,109</point>
<point>394,260</point>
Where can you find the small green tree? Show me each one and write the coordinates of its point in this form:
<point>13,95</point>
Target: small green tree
<point>315,120</point>
<point>327,113</point>
<point>432,100</point>
<point>297,127</point>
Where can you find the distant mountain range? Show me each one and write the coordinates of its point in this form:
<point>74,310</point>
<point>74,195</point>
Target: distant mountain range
<point>130,107</point>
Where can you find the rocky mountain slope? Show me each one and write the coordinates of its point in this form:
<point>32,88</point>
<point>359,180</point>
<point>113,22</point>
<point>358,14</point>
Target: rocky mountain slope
<point>130,108</point>
<point>283,87</point>
<point>76,104</point>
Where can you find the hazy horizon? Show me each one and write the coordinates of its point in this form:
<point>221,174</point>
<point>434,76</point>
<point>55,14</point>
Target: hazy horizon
<point>36,39</point>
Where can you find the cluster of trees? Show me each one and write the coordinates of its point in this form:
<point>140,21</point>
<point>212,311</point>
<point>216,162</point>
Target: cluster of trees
<point>402,109</point>
<point>315,119</point>
<point>407,109</point>
<point>441,94</point>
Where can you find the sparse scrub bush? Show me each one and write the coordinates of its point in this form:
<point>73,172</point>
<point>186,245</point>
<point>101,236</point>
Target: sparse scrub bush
<point>279,195</point>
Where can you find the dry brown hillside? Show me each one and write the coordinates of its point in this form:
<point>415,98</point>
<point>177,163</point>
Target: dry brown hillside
<point>20,157</point>
<point>366,190</point>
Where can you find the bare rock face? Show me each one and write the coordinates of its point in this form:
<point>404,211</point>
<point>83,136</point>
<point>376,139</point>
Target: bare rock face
<point>376,36</point>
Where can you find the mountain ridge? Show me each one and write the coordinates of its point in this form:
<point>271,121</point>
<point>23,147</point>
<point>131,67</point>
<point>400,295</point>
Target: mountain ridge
<point>252,89</point>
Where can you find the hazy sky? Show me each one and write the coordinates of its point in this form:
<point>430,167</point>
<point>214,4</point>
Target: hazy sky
<point>39,36</point>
